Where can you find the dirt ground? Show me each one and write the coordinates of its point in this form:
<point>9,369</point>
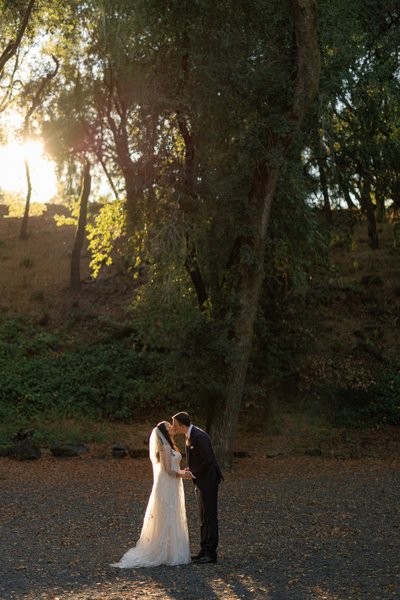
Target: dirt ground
<point>34,274</point>
<point>292,527</point>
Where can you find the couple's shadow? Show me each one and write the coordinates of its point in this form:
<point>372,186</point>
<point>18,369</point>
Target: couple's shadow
<point>197,582</point>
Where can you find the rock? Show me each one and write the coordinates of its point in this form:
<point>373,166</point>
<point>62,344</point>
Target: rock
<point>138,452</point>
<point>6,451</point>
<point>68,450</point>
<point>272,453</point>
<point>119,450</point>
<point>313,452</point>
<point>25,449</point>
<point>241,454</point>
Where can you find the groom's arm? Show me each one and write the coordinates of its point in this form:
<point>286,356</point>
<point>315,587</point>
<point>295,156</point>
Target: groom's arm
<point>206,455</point>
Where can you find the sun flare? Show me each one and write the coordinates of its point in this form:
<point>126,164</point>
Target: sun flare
<point>42,170</point>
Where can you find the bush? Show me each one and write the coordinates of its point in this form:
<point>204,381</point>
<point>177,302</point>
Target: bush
<point>45,375</point>
<point>349,404</point>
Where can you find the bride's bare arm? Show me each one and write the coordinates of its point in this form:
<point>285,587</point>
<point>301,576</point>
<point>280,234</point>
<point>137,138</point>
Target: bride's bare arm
<point>165,459</point>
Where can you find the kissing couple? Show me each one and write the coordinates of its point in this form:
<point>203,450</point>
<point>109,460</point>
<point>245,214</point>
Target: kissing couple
<point>164,539</point>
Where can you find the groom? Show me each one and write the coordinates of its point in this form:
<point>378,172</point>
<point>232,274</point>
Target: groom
<point>204,470</point>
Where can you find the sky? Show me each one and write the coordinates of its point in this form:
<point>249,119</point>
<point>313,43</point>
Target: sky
<point>42,170</point>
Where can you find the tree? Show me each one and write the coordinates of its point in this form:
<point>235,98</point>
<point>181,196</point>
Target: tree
<point>13,44</point>
<point>75,280</point>
<point>248,278</point>
<point>35,103</point>
<point>15,21</point>
<point>357,117</point>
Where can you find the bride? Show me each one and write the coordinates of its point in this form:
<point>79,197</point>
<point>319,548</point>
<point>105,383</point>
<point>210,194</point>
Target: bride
<point>164,539</point>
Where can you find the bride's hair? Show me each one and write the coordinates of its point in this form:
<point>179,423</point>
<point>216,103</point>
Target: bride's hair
<point>161,426</point>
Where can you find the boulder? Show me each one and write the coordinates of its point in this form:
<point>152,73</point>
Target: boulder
<point>6,451</point>
<point>25,449</point>
<point>241,454</point>
<point>273,453</point>
<point>68,450</point>
<point>313,452</point>
<point>119,450</point>
<point>138,452</point>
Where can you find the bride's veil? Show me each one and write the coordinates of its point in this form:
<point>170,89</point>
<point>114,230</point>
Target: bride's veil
<point>157,444</point>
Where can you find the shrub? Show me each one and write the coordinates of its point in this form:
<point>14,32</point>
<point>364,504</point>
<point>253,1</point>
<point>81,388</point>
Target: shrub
<point>351,396</point>
<point>45,375</point>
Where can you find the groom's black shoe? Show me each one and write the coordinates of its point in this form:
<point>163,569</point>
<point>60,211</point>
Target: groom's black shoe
<point>197,556</point>
<point>205,560</point>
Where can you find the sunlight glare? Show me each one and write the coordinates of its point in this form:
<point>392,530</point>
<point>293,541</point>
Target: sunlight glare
<point>42,170</point>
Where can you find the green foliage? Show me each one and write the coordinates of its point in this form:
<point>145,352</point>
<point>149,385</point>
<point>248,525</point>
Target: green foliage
<point>181,342</point>
<point>357,120</point>
<point>104,234</point>
<point>70,217</point>
<point>297,254</point>
<point>349,394</point>
<point>47,377</point>
<point>377,405</point>
<point>16,205</point>
<point>133,76</point>
<point>39,375</point>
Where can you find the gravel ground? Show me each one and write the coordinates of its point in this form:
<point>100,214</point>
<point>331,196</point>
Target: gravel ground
<point>291,528</point>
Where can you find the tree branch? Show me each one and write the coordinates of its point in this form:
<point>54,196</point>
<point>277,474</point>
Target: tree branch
<point>13,45</point>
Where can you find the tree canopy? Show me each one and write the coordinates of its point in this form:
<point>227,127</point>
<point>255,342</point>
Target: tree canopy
<point>231,135</point>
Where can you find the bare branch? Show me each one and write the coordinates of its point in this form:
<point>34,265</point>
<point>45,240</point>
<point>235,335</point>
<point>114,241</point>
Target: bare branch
<point>13,45</point>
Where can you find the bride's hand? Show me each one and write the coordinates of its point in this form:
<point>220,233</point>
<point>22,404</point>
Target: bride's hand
<point>184,474</point>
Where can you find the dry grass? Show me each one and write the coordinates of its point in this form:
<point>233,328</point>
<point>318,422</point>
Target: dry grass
<point>34,274</point>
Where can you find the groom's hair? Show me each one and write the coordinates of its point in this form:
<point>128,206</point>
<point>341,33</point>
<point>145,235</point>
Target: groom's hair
<point>182,418</point>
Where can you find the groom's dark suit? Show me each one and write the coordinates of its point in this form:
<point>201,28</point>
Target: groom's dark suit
<point>207,476</point>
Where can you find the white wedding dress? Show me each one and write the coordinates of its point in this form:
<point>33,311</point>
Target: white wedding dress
<point>164,539</point>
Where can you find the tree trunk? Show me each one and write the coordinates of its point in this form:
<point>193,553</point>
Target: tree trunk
<point>248,281</point>
<point>346,193</point>
<point>107,174</point>
<point>321,156</point>
<point>119,129</point>
<point>380,205</point>
<point>75,281</point>
<point>24,225</point>
<point>35,103</point>
<point>369,209</point>
<point>188,198</point>
<point>226,413</point>
<point>324,186</point>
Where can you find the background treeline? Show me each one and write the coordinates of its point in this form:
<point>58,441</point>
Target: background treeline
<point>242,142</point>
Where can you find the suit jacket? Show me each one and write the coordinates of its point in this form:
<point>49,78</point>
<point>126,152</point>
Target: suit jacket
<point>201,460</point>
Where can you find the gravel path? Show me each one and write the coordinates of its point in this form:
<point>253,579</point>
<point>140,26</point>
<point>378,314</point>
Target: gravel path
<point>291,528</point>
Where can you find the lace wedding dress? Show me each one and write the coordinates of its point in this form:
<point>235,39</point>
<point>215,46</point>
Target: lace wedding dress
<point>164,539</point>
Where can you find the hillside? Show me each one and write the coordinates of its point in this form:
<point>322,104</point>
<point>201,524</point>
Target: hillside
<point>363,300</point>
<point>34,275</point>
<point>352,322</point>
<point>356,312</point>
<point>357,318</point>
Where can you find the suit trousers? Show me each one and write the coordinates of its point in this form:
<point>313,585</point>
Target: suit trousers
<point>207,505</point>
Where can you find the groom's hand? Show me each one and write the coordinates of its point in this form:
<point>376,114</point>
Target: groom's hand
<point>185,474</point>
